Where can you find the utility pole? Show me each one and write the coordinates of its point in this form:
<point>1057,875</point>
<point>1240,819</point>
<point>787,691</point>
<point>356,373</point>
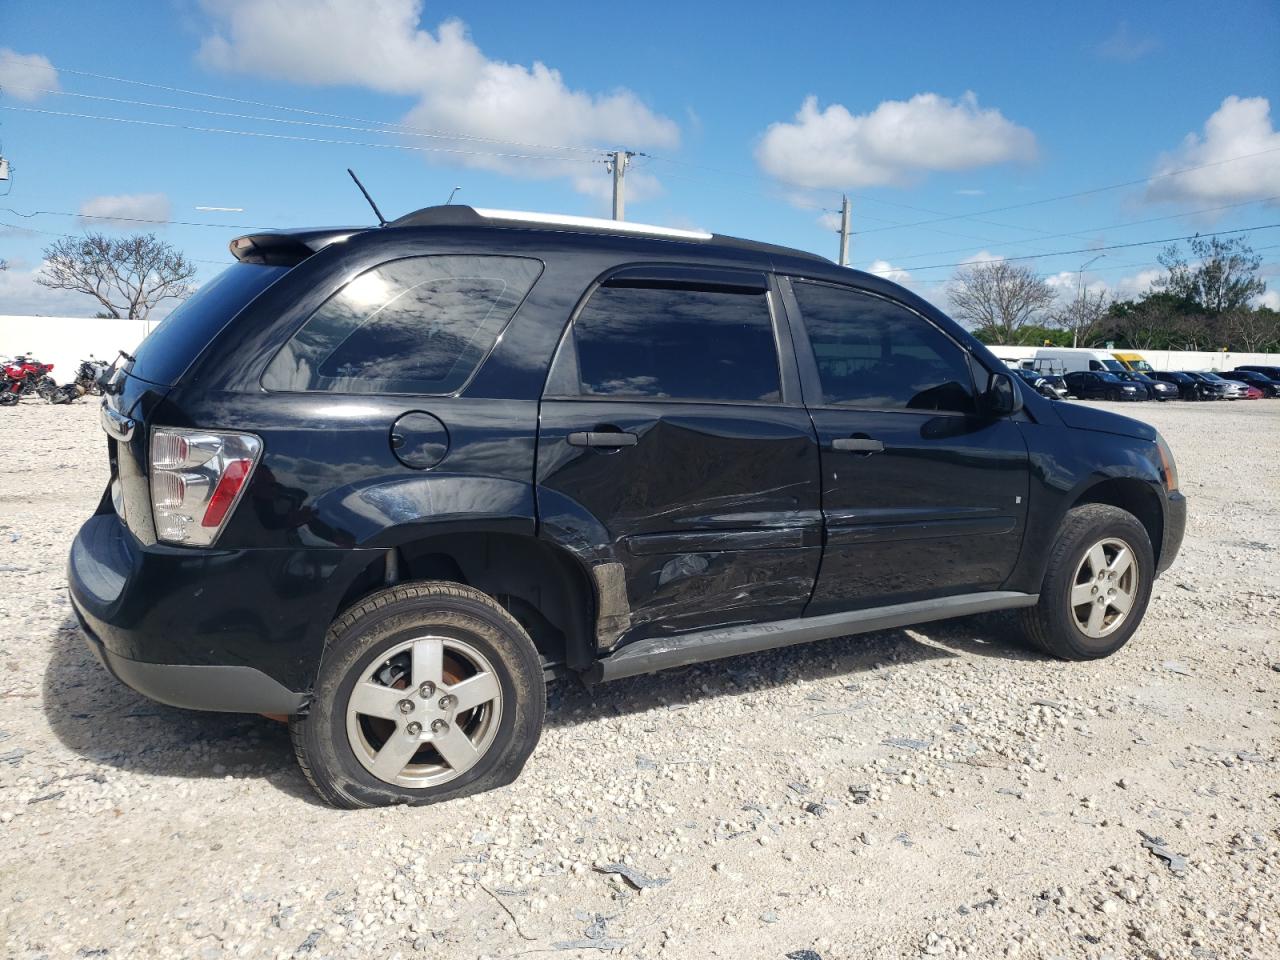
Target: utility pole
<point>844,231</point>
<point>618,167</point>
<point>1075,326</point>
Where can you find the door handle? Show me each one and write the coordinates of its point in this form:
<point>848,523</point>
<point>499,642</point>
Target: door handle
<point>602,438</point>
<point>857,444</point>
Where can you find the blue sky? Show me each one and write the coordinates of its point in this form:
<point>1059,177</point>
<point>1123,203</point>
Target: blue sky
<point>753,124</point>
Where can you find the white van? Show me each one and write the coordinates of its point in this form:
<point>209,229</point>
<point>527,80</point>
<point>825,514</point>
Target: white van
<point>1070,359</point>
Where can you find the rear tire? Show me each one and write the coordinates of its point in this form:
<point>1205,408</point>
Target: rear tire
<point>380,730</point>
<point>1096,586</point>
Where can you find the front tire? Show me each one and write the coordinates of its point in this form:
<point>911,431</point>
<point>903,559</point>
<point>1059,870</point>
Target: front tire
<point>427,692</point>
<point>1096,586</point>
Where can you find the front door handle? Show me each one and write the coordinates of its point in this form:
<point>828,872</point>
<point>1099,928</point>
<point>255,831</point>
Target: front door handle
<point>602,438</point>
<point>857,444</point>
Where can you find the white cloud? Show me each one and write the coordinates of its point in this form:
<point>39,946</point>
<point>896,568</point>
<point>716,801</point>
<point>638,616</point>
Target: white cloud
<point>970,193</point>
<point>124,210</point>
<point>20,295</point>
<point>897,140</point>
<point>883,268</point>
<point>982,256</point>
<point>1125,45</point>
<point>1270,298</point>
<point>1239,127</point>
<point>379,45</point>
<point>25,76</point>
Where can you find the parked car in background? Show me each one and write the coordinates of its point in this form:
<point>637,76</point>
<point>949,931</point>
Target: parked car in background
<point>1251,392</point>
<point>1215,389</point>
<point>1102,385</point>
<point>1156,389</point>
<point>387,481</point>
<point>1057,385</point>
<point>1189,388</point>
<point>1272,372</point>
<point>1041,384</point>
<point>1268,386</point>
<point>1227,389</point>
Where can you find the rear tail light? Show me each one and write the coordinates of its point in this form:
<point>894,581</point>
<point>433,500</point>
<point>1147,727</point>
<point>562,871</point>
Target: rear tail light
<point>197,478</point>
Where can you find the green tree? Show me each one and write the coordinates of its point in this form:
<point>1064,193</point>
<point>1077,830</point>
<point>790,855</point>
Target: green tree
<point>1222,275</point>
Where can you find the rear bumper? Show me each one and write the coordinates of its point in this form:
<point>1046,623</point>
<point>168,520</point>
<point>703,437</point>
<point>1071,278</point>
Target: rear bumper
<point>208,629</point>
<point>228,689</point>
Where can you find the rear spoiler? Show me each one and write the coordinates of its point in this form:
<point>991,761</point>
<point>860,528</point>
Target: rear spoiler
<point>287,248</point>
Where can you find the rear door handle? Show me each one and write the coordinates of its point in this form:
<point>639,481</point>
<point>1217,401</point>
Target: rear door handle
<point>602,438</point>
<point>857,444</point>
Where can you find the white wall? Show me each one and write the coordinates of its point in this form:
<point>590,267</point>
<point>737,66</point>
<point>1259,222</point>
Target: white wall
<point>1167,359</point>
<point>65,341</point>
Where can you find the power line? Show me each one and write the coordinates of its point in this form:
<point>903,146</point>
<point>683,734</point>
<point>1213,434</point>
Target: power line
<point>106,216</point>
<point>1113,246</point>
<point>285,136</point>
<point>1079,193</point>
<point>1086,230</point>
<point>378,127</point>
<point>74,236</point>
<point>302,110</point>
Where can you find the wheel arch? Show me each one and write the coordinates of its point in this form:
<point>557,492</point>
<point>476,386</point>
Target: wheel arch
<point>545,587</point>
<point>1134,496</point>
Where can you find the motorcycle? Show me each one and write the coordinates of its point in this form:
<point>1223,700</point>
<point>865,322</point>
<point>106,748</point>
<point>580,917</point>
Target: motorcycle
<point>32,376</point>
<point>89,376</point>
<point>23,376</point>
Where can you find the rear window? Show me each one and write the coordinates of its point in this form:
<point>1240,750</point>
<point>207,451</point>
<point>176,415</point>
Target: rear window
<point>420,325</point>
<point>169,349</point>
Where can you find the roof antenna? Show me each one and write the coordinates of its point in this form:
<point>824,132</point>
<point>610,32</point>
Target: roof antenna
<point>382,221</point>
<point>451,195</point>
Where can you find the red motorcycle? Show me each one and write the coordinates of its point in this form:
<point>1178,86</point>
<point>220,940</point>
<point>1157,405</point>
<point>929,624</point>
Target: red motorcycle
<point>23,376</point>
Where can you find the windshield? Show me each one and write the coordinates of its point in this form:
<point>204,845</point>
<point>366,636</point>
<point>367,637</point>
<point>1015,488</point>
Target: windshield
<point>1141,366</point>
<point>1212,376</point>
<point>169,349</point>
<point>1113,365</point>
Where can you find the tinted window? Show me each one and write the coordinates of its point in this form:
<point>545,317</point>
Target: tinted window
<point>418,325</point>
<point>872,352</point>
<point>169,349</point>
<point>680,343</point>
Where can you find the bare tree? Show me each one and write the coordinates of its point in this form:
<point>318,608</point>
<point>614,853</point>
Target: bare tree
<point>1083,316</point>
<point>1255,330</point>
<point>999,298</point>
<point>129,276</point>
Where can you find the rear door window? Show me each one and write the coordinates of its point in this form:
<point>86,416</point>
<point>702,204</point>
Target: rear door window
<point>421,325</point>
<point>671,341</point>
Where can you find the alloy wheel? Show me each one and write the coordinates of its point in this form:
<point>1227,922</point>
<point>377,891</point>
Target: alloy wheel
<point>424,713</point>
<point>1104,588</point>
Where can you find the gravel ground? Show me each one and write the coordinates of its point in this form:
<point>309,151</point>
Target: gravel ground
<point>937,792</point>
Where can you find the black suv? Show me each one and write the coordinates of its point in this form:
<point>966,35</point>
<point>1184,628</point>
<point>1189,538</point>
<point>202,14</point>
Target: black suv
<point>386,482</point>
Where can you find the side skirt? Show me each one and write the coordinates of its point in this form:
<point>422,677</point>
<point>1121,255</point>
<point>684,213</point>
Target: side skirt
<point>660,653</point>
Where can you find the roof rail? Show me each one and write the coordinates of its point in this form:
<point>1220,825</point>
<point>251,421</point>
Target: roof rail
<point>462,215</point>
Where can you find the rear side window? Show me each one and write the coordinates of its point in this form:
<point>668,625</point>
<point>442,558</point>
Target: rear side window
<point>650,341</point>
<point>418,325</point>
<point>872,352</point>
<point>169,349</point>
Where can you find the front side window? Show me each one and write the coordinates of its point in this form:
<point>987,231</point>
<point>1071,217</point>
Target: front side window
<point>418,325</point>
<point>872,352</point>
<point>642,340</point>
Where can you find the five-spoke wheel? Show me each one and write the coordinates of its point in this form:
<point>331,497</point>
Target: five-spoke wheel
<point>426,713</point>
<point>1104,588</point>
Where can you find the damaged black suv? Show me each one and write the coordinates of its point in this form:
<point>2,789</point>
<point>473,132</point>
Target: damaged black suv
<point>386,482</point>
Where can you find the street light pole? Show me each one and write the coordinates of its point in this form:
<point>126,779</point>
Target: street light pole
<point>1075,327</point>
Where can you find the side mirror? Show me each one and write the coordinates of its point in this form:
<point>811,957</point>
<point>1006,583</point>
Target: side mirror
<point>1002,396</point>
